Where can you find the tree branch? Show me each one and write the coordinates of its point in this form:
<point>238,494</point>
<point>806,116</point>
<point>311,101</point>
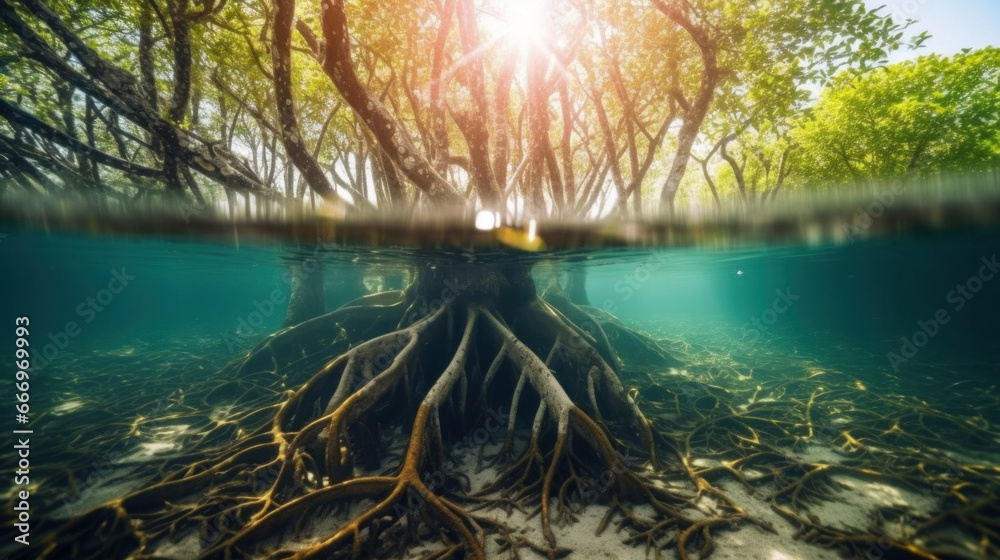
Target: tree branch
<point>339,66</point>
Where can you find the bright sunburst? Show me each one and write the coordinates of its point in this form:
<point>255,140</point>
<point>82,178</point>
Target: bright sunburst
<point>522,22</point>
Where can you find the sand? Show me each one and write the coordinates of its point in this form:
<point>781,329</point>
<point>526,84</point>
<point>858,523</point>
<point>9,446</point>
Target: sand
<point>850,506</point>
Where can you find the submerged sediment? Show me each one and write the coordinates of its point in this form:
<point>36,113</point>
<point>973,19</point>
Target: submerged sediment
<point>476,415</point>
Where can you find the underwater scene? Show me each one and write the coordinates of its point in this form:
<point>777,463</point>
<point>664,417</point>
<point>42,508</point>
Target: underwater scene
<point>792,401</point>
<point>500,279</point>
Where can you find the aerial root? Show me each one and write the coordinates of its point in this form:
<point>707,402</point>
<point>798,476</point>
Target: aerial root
<point>570,419</point>
<point>347,404</point>
<point>406,487</point>
<point>557,455</point>
<point>602,371</point>
<point>567,513</point>
<point>327,334</point>
<point>113,525</point>
<point>619,344</point>
<point>281,474</point>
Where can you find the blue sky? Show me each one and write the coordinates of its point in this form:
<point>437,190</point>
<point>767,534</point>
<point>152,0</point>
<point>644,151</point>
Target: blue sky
<point>953,24</point>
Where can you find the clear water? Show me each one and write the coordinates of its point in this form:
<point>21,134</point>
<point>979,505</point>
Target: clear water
<point>119,329</point>
<point>842,300</point>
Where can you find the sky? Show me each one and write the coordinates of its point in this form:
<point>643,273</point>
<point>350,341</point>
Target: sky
<point>953,24</point>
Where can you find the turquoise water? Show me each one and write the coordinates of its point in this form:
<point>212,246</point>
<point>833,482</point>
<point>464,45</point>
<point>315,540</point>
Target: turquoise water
<point>915,317</point>
<point>863,296</point>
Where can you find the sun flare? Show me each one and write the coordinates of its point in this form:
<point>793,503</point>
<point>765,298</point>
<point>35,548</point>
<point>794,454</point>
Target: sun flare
<point>523,22</point>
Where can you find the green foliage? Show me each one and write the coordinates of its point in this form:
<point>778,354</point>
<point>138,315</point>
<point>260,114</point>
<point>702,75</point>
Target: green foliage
<point>774,55</point>
<point>924,116</point>
<point>625,71</point>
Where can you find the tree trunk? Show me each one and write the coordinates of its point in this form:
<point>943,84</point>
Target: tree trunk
<point>694,113</point>
<point>421,367</point>
<point>576,285</point>
<point>741,184</point>
<point>291,135</point>
<point>308,298</point>
<point>339,66</point>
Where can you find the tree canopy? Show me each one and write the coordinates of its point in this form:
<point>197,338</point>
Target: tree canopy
<point>929,115</point>
<point>556,107</point>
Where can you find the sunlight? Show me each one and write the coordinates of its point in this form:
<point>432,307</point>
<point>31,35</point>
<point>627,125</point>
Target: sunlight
<point>522,22</point>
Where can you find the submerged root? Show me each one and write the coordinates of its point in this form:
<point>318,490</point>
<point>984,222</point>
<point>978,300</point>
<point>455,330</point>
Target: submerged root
<point>406,497</point>
<point>325,444</point>
<point>316,471</point>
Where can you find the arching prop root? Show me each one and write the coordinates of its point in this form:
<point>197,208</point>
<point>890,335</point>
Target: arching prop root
<point>618,343</point>
<point>254,479</point>
<point>803,436</point>
<point>308,344</point>
<point>427,371</point>
<point>390,491</point>
<point>534,474</point>
<point>407,495</point>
